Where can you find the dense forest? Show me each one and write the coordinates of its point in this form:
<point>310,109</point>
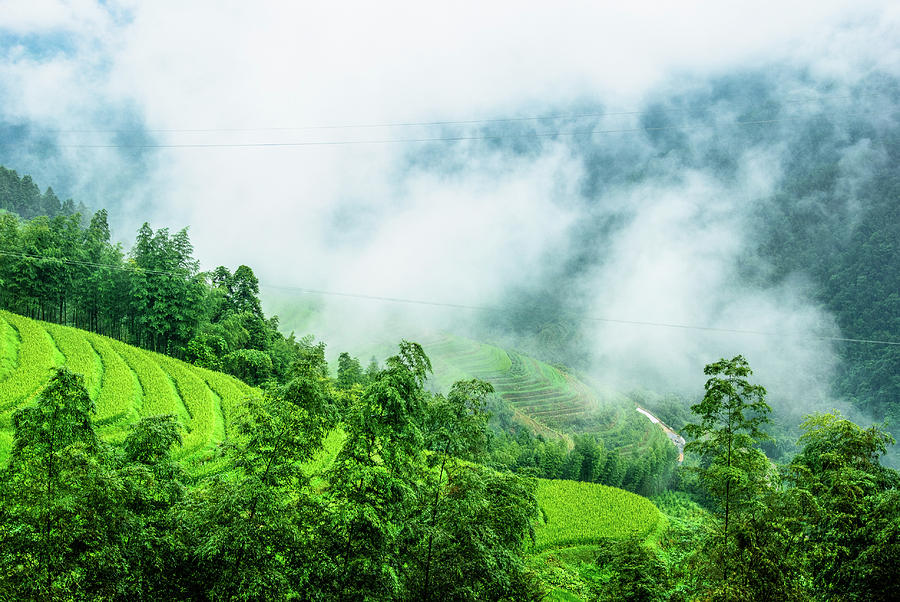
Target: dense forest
<point>407,512</point>
<point>23,197</point>
<point>63,267</point>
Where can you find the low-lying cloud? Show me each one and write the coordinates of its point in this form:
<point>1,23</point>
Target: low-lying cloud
<point>655,225</point>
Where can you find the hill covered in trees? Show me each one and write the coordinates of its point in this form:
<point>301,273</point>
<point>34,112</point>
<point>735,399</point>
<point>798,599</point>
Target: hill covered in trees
<point>402,506</point>
<point>23,197</point>
<point>799,175</point>
<point>65,268</point>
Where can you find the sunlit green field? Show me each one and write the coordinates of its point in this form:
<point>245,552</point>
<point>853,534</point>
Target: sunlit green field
<point>124,382</point>
<point>583,513</point>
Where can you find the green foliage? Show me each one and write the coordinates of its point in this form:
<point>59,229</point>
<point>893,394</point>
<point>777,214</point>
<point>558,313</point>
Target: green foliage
<point>851,515</point>
<point>349,371</point>
<point>41,522</point>
<point>735,472</point>
<point>60,270</point>
<point>637,572</point>
<point>408,525</point>
<point>151,439</point>
<point>250,365</point>
<point>235,524</point>
<point>22,196</point>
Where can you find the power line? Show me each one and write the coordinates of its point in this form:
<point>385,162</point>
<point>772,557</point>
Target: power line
<point>464,306</point>
<point>391,124</point>
<point>584,318</point>
<point>428,138</point>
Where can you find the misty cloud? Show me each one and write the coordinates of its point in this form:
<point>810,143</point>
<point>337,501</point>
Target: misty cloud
<point>648,226</point>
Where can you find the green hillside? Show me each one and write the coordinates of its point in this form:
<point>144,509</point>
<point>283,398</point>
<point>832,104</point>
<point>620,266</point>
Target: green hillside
<point>124,382</point>
<point>552,402</point>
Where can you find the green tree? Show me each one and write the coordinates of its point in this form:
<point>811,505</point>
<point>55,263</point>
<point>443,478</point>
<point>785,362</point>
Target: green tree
<point>733,470</point>
<point>472,523</point>
<point>250,532</point>
<point>851,523</point>
<point>245,295</point>
<point>152,486</point>
<point>349,371</point>
<point>373,481</point>
<point>62,516</point>
<point>638,573</point>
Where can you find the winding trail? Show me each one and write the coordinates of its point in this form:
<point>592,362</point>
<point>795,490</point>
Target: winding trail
<point>677,440</point>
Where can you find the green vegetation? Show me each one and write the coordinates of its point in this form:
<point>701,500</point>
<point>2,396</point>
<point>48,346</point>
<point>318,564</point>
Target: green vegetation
<point>582,513</point>
<point>361,513</point>
<point>57,268</point>
<point>120,396</point>
<point>370,486</point>
<point>36,357</point>
<point>127,473</point>
<point>123,382</point>
<point>122,379</point>
<point>605,441</point>
<point>532,388</point>
<point>9,349</point>
<point>22,196</point>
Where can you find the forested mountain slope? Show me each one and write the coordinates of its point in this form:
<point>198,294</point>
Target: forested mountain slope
<point>66,268</point>
<point>802,178</point>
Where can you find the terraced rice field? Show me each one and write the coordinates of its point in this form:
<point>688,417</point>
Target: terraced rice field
<point>530,386</point>
<point>124,382</point>
<point>578,513</point>
<point>540,394</point>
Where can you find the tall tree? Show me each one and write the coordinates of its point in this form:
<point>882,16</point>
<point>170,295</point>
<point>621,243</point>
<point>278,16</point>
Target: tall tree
<point>249,531</point>
<point>60,513</point>
<point>733,469</point>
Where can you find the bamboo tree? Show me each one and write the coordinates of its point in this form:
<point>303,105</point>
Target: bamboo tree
<point>732,468</point>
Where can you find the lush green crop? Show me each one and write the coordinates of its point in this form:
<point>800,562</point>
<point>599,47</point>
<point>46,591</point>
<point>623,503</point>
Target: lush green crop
<point>159,394</point>
<point>230,391</point>
<point>583,513</point>
<point>9,349</point>
<point>120,393</point>
<point>124,382</point>
<point>199,402</point>
<point>37,356</point>
<point>79,355</point>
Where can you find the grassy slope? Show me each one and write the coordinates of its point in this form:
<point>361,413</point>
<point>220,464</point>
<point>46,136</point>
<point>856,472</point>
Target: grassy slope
<point>124,382</point>
<point>577,517</point>
<point>578,513</point>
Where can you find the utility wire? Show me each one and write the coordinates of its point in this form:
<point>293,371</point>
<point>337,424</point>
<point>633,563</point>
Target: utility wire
<point>463,306</point>
<point>344,126</point>
<point>429,138</point>
<point>584,318</point>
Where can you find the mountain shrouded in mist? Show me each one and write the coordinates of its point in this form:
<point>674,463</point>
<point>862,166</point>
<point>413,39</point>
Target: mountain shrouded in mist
<point>713,168</point>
